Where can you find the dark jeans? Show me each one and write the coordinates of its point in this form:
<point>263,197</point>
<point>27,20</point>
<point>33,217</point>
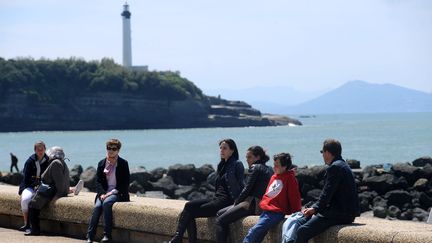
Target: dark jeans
<point>100,207</point>
<point>200,208</point>
<point>315,225</point>
<point>230,214</point>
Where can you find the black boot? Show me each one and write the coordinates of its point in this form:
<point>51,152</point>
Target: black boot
<point>192,231</point>
<point>34,221</point>
<point>183,222</point>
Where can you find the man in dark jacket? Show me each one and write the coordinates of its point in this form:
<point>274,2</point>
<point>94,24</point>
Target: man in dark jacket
<point>14,163</point>
<point>338,201</point>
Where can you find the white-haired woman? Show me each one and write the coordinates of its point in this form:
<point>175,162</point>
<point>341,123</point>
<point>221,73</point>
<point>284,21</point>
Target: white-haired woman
<point>57,177</point>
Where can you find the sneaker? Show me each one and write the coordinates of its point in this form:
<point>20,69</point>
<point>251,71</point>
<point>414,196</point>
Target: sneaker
<point>78,187</point>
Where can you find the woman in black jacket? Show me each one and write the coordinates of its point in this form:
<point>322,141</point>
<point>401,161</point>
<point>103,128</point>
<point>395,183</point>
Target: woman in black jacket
<point>112,183</point>
<point>247,203</point>
<point>229,184</point>
<point>34,167</point>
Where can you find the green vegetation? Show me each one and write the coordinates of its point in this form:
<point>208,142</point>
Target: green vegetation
<point>56,81</point>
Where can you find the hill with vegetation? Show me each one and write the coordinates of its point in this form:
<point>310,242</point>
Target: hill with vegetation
<point>73,94</point>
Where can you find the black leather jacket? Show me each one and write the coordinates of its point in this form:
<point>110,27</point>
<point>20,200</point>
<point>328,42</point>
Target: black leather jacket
<point>256,182</point>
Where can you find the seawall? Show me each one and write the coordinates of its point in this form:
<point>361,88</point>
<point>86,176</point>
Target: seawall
<point>154,220</point>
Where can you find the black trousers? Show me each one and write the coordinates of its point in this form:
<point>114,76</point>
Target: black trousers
<point>231,214</point>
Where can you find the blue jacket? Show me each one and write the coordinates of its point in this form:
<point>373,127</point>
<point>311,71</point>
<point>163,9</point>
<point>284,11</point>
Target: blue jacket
<point>233,177</point>
<point>338,199</point>
<point>29,171</point>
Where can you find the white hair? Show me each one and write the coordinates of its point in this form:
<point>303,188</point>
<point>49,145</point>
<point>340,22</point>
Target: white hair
<point>56,152</point>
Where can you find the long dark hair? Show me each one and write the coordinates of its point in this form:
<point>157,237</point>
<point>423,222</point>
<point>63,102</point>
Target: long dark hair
<point>232,145</point>
<point>259,151</point>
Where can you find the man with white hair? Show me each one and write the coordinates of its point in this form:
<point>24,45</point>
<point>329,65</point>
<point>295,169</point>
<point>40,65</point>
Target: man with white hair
<point>56,176</point>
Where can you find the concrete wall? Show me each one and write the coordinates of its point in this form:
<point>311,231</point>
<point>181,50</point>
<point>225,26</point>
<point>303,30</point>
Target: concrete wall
<point>155,220</point>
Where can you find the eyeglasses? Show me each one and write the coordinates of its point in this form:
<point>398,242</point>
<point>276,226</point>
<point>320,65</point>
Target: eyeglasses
<point>112,148</point>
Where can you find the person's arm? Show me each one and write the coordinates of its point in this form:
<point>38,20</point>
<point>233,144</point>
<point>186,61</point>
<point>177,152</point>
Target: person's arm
<point>331,184</point>
<point>239,173</point>
<point>57,177</point>
<point>294,197</point>
<point>99,179</point>
<point>123,183</point>
<point>250,182</point>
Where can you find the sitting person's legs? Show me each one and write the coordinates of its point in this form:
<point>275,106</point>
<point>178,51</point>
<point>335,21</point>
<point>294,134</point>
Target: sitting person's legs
<point>26,197</point>
<point>228,215</point>
<point>107,212</point>
<point>313,226</point>
<point>259,230</point>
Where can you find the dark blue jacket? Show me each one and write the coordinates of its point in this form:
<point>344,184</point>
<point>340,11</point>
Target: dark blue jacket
<point>233,177</point>
<point>338,199</point>
<point>122,178</point>
<point>29,171</point>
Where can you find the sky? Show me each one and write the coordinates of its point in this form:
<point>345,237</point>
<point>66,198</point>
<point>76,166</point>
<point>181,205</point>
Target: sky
<point>309,46</point>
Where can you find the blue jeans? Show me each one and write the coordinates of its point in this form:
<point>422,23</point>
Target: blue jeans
<point>100,207</point>
<point>266,220</point>
<point>315,225</point>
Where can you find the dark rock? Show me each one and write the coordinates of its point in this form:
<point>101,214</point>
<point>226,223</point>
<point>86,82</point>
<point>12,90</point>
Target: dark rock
<point>393,211</point>
<point>196,195</point>
<point>420,162</point>
<point>12,178</point>
<point>311,176</point>
<point>153,194</point>
<point>398,197</point>
<point>420,214</point>
<point>368,195</point>
<point>75,174</point>
<point>379,202</point>
<point>203,172</point>
<point>135,187</point>
<point>304,189</point>
<point>411,173</point>
<point>89,178</point>
<point>165,184</point>
<point>381,184</point>
<point>380,212</point>
<point>313,195</point>
<point>353,163</point>
<point>370,170</point>
<point>425,200</point>
<point>421,184</point>
<point>406,215</point>
<point>364,205</point>
<point>182,174</point>
<point>427,170</point>
<point>157,173</point>
<point>183,191</point>
<point>140,175</point>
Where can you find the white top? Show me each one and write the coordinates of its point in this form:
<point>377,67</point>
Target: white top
<point>111,179</point>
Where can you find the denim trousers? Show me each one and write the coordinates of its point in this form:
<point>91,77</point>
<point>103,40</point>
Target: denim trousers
<point>313,226</point>
<point>100,207</point>
<point>266,221</point>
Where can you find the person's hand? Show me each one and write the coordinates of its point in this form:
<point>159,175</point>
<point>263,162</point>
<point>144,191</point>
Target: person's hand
<point>102,197</point>
<point>308,212</point>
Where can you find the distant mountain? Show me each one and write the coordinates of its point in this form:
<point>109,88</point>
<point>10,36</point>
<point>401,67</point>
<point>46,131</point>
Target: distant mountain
<point>363,97</point>
<point>268,99</point>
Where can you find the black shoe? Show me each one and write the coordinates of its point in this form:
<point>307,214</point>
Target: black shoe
<point>24,228</point>
<point>106,239</point>
<point>30,232</point>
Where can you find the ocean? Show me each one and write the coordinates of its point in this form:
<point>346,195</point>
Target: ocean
<point>369,138</point>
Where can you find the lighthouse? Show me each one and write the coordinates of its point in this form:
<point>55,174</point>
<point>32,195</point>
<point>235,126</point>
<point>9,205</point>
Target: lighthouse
<point>127,42</point>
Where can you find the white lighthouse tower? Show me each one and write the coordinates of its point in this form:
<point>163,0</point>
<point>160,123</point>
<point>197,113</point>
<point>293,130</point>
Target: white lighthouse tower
<point>127,42</point>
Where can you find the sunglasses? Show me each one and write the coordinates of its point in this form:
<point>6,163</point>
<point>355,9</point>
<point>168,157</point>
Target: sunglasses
<point>112,148</point>
<point>322,151</point>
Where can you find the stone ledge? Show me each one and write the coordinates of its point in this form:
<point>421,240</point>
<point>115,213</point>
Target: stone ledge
<point>155,220</point>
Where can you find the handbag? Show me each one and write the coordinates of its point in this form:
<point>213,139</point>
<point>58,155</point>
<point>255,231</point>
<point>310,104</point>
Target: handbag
<point>46,190</point>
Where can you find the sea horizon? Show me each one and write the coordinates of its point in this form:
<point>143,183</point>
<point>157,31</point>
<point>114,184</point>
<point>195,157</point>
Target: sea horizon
<point>370,138</point>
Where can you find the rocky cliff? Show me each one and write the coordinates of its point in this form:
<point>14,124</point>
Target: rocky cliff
<point>106,110</point>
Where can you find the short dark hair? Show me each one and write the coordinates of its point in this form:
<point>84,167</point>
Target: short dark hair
<point>114,142</point>
<point>39,143</point>
<point>284,159</point>
<point>333,146</point>
<point>259,151</point>
<point>232,145</point>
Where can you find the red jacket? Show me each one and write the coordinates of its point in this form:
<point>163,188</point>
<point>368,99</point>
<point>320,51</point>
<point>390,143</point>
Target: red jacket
<point>282,194</point>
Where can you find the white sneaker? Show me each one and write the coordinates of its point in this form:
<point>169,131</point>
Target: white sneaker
<point>78,187</point>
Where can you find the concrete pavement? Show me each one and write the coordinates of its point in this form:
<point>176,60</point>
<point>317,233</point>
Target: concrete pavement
<point>15,236</point>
